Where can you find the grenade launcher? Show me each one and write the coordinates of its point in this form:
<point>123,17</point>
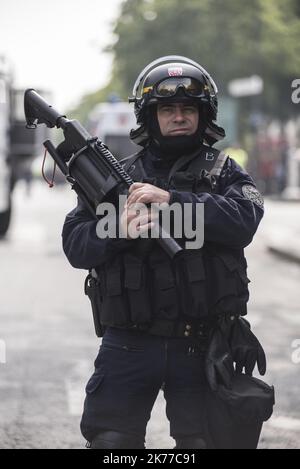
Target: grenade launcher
<point>88,165</point>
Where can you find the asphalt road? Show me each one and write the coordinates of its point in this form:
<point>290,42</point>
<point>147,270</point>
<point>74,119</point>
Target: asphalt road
<point>48,343</point>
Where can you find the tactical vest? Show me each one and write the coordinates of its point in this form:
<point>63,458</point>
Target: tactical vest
<point>140,288</point>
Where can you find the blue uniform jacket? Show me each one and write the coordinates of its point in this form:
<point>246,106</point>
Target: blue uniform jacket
<point>231,217</point>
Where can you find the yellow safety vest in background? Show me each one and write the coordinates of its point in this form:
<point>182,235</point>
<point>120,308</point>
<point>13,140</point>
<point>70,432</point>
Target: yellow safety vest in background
<point>239,155</point>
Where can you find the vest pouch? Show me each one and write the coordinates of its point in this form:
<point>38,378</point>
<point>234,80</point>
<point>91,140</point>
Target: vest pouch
<point>242,287</point>
<point>114,305</point>
<point>193,277</point>
<point>136,286</point>
<point>227,284</point>
<point>164,294</point>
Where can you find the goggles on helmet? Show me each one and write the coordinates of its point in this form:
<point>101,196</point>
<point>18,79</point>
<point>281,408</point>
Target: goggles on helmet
<point>169,87</point>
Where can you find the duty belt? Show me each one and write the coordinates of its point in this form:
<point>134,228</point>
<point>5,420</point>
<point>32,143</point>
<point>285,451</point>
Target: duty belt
<point>186,329</point>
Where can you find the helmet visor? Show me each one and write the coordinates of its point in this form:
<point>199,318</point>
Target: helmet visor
<point>169,87</point>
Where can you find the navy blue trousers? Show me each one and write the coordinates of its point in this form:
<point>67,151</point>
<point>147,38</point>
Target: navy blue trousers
<point>130,369</point>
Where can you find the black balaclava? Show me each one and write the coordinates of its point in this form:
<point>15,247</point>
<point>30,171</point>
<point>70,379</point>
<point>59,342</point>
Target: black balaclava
<point>171,148</point>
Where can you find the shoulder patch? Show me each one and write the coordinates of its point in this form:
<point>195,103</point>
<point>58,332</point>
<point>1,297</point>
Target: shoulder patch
<point>251,193</point>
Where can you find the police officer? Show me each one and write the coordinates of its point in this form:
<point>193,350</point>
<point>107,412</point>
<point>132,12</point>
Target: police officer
<point>158,313</point>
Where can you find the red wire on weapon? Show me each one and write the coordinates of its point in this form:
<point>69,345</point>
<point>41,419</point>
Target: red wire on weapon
<point>50,183</point>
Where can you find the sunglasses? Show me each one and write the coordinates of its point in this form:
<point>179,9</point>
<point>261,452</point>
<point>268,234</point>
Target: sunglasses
<point>169,87</point>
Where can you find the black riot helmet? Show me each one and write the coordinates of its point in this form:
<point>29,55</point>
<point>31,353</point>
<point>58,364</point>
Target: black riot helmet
<point>174,78</point>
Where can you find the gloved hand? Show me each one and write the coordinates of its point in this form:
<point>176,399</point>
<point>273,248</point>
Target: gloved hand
<point>245,348</point>
<point>219,368</point>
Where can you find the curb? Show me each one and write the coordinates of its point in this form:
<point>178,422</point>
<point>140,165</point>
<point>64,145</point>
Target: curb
<point>285,254</point>
<point>276,198</point>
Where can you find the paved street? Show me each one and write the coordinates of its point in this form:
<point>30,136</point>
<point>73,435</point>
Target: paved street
<point>46,326</point>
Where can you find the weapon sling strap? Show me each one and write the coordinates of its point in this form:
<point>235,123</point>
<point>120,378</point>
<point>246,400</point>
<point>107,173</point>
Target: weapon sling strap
<point>209,159</point>
<point>128,162</point>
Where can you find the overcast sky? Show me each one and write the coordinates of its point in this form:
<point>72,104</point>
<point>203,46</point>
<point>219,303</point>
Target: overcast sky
<point>56,44</point>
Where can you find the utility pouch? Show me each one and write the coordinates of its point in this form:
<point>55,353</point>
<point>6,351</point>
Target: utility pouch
<point>191,274</point>
<point>115,306</point>
<point>165,301</point>
<point>137,288</point>
<point>227,283</point>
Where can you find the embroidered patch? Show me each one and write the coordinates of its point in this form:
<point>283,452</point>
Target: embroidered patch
<point>209,156</point>
<point>251,193</point>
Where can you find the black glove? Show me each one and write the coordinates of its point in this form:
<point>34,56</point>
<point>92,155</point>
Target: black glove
<point>219,368</point>
<point>245,348</point>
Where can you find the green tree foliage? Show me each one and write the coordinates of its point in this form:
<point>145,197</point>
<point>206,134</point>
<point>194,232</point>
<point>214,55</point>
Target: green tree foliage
<point>231,38</point>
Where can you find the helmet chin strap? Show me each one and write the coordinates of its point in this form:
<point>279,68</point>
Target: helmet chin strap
<point>172,147</point>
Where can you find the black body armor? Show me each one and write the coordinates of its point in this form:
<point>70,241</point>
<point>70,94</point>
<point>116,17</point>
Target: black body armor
<point>144,289</point>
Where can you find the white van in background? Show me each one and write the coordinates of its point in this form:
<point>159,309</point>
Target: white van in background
<point>5,168</point>
<point>18,146</point>
<point>111,123</point>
